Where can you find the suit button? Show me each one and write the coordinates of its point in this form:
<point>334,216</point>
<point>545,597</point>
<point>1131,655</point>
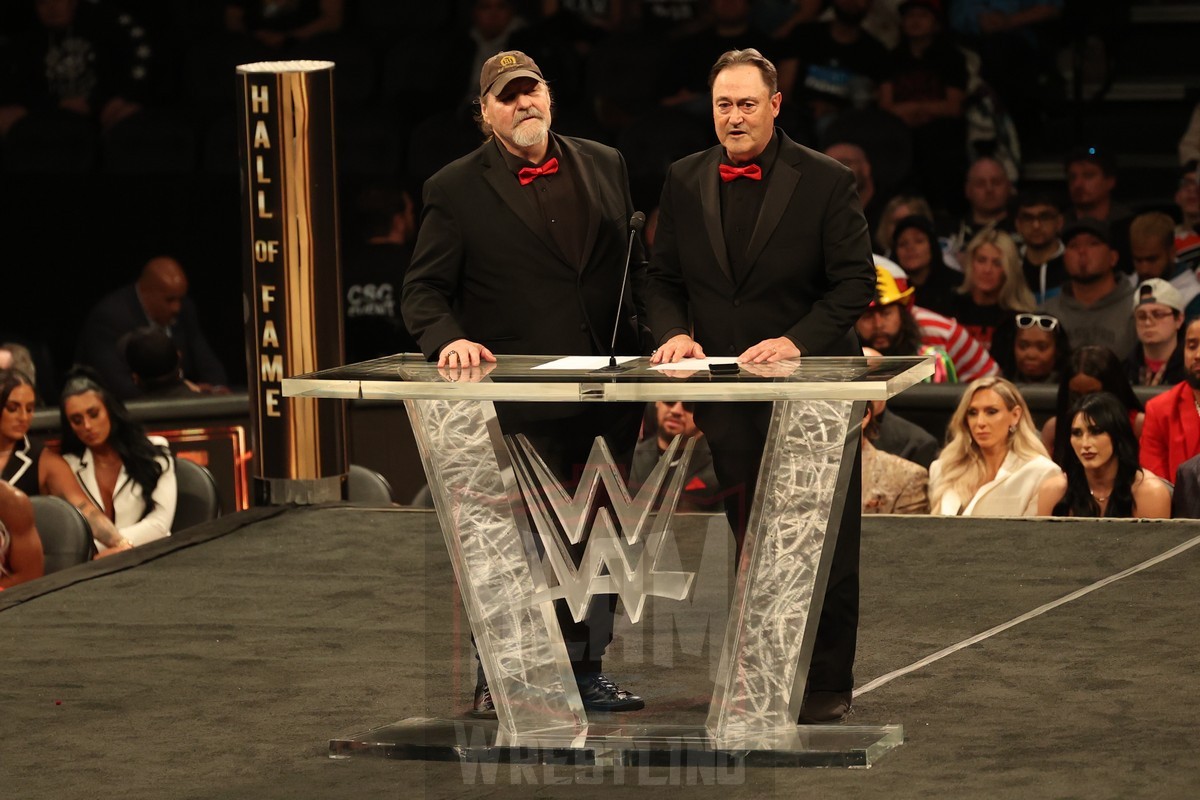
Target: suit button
<point>583,327</point>
<point>731,351</point>
<point>737,303</point>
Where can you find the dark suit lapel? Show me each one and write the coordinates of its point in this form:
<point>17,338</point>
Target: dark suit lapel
<point>710,204</point>
<point>496,173</point>
<point>591,191</point>
<point>781,186</point>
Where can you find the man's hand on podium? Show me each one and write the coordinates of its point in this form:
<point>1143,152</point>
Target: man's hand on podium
<point>464,353</point>
<point>677,348</point>
<point>769,351</point>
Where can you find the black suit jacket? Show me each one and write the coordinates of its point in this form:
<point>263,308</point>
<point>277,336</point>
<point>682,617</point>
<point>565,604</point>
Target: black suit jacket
<point>120,313</point>
<point>811,272</point>
<point>1185,500</point>
<point>485,267</point>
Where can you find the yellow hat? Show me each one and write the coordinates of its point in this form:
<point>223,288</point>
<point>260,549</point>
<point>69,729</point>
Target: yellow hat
<point>887,291</point>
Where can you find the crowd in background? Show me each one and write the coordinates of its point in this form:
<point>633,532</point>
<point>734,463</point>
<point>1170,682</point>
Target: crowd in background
<point>933,105</point>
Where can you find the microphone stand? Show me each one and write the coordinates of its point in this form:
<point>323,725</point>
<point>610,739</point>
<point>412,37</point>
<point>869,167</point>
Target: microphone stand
<point>635,224</point>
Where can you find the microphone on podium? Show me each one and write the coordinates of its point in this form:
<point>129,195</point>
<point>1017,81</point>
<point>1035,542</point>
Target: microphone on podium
<point>636,223</point>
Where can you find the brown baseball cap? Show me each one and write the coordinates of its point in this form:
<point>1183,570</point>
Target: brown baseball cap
<point>503,67</point>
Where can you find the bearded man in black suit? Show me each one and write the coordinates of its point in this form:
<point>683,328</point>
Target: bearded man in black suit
<point>521,250</point>
<point>762,252</point>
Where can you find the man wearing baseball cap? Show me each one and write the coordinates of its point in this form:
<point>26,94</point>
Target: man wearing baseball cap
<point>521,250</point>
<point>1093,306</point>
<point>895,326</point>
<point>1158,317</point>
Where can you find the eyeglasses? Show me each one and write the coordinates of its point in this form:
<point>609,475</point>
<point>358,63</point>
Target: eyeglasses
<point>1043,321</point>
<point>686,406</point>
<point>1152,316</point>
<point>1189,183</point>
<point>1044,217</point>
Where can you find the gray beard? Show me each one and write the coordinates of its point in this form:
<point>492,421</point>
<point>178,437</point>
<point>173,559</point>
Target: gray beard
<point>529,135</point>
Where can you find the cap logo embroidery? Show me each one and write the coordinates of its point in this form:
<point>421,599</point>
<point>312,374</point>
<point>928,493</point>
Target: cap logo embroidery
<point>508,61</point>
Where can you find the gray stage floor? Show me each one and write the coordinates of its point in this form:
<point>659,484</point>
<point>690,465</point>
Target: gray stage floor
<point>220,668</point>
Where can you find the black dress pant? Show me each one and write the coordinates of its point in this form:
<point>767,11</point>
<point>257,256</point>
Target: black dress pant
<point>563,436</point>
<point>737,434</point>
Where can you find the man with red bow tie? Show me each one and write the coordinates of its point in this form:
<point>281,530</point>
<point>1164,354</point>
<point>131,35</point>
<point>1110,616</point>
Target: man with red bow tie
<point>521,250</point>
<point>762,252</point>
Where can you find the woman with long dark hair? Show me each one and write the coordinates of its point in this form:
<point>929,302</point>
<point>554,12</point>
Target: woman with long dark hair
<point>18,462</point>
<point>1102,477</point>
<point>124,473</point>
<point>1091,369</point>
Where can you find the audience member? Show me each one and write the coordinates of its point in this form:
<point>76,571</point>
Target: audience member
<point>1101,477</point>
<point>916,250</point>
<point>730,27</point>
<point>1094,305</point>
<point>1189,142</point>
<point>1187,233</point>
<point>926,87</point>
<point>18,462</point>
<point>988,192</point>
<point>890,485</point>
<point>17,356</point>
<point>1091,179</point>
<point>158,298</point>
<point>1172,432</point>
<point>1031,348</point>
<point>1090,369</point>
<point>1185,501</point>
<point>372,273</point>
<point>700,490</point>
<point>896,327</point>
<point>21,557</point>
<point>276,27</point>
<point>993,462</point>
<point>899,207</point>
<point>43,472</point>
<point>896,435</point>
<point>128,475</point>
<point>155,365</point>
<point>1152,242</point>
<point>835,65</point>
<point>993,287</point>
<point>1158,313</point>
<point>1016,49</point>
<point>79,59</point>
<point>856,159</point>
<point>1039,223</point>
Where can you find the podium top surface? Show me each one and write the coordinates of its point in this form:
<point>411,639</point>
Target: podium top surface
<point>526,379</point>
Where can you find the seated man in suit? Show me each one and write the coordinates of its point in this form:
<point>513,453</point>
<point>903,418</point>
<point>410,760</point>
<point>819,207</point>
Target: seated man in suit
<point>159,299</point>
<point>700,491</point>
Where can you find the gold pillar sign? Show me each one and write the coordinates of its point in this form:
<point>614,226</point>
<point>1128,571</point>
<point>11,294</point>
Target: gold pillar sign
<point>291,276</point>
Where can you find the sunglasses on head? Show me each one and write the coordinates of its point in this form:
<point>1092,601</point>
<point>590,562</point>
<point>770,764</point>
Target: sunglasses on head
<point>1043,321</point>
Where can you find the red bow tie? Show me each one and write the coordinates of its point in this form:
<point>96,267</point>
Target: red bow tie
<point>528,175</point>
<point>731,173</point>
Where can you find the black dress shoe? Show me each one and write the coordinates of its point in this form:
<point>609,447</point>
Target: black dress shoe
<point>483,708</point>
<point>821,708</point>
<point>601,694</point>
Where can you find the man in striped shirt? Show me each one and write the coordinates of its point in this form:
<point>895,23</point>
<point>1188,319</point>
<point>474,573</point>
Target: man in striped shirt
<point>896,327</point>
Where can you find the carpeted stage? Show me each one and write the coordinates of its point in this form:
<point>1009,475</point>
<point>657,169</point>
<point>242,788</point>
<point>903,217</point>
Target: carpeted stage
<point>219,663</point>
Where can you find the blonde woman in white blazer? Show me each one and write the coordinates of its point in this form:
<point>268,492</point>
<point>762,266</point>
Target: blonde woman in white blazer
<point>994,461</point>
<point>130,477</point>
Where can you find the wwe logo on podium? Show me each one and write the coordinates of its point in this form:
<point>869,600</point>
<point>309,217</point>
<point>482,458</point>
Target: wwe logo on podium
<point>619,557</point>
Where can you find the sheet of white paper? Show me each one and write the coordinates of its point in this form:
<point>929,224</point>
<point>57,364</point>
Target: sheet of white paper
<point>697,363</point>
<point>582,363</point>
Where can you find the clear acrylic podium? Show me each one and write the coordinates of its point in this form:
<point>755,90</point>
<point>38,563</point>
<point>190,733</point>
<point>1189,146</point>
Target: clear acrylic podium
<point>494,497</point>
